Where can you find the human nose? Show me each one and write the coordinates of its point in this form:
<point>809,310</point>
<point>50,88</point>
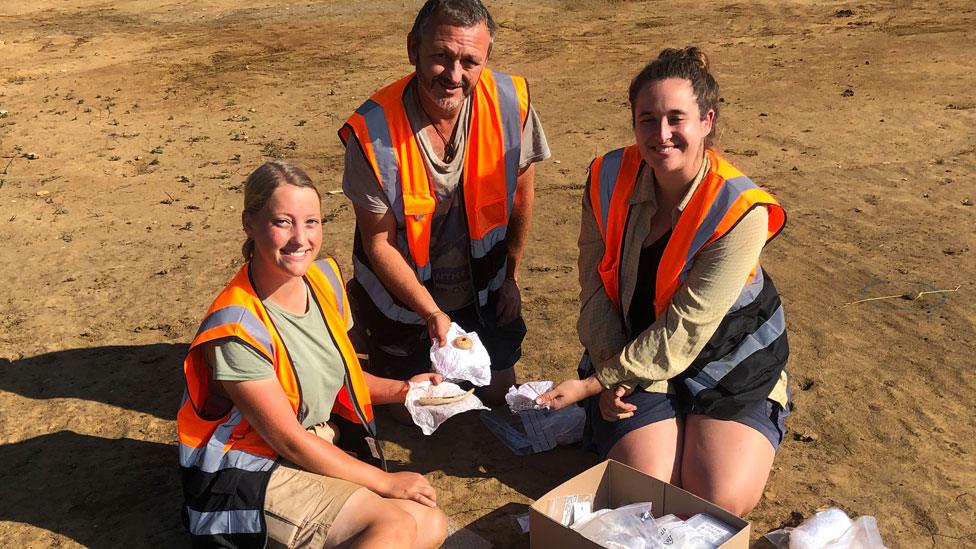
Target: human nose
<point>299,233</point>
<point>453,71</point>
<point>664,132</point>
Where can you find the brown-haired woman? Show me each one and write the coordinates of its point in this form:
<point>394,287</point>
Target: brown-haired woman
<point>684,332</point>
<point>269,374</point>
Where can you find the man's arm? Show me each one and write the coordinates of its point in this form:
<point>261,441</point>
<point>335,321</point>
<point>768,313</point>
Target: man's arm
<point>378,232</point>
<point>509,295</point>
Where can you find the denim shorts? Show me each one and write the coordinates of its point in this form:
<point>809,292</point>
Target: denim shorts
<point>600,435</point>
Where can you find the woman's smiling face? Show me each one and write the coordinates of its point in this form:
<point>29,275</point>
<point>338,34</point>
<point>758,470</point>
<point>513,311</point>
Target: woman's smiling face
<point>669,129</point>
<point>287,232</point>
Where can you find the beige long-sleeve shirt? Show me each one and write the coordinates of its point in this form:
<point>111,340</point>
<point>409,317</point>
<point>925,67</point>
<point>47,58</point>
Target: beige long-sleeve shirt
<point>677,336</point>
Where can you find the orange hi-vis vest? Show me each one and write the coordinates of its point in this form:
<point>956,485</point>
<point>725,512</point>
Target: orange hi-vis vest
<point>744,358</point>
<point>723,197</point>
<point>500,104</point>
<point>225,462</point>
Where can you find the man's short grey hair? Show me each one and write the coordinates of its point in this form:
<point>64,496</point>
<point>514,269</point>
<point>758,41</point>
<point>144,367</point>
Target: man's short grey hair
<point>463,13</point>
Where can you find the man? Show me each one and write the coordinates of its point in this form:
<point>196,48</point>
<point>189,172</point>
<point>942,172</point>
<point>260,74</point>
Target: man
<point>439,167</point>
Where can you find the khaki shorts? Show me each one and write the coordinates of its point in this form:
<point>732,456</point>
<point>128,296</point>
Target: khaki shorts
<point>300,507</point>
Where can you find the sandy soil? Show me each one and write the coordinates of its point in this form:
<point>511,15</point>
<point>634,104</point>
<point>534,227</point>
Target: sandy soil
<point>127,128</point>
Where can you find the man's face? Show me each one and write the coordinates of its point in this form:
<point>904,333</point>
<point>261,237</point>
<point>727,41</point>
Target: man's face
<point>449,60</point>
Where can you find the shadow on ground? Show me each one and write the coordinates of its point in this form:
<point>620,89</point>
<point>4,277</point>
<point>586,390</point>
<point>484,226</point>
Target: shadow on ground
<point>143,378</point>
<point>99,492</point>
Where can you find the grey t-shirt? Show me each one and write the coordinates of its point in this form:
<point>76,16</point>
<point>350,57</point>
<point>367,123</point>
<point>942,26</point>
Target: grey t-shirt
<point>313,353</point>
<point>450,283</point>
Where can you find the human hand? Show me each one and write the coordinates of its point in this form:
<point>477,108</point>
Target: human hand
<point>569,392</point>
<point>433,378</point>
<point>408,486</point>
<point>612,408</point>
<point>509,302</point>
<point>438,323</point>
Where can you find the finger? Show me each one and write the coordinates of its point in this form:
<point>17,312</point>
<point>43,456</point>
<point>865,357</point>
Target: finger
<point>620,392</point>
<point>621,406</point>
<point>424,500</point>
<point>608,417</point>
<point>436,379</point>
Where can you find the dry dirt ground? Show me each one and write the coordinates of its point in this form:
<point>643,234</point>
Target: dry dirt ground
<point>127,128</point>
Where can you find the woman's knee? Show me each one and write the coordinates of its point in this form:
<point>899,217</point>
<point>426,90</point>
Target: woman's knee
<point>393,527</point>
<point>738,500</point>
<point>431,528</point>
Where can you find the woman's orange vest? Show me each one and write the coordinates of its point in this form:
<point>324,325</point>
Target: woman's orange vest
<point>722,198</point>
<point>225,462</point>
<point>500,104</point>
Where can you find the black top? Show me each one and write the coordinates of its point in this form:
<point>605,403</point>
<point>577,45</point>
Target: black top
<point>642,304</point>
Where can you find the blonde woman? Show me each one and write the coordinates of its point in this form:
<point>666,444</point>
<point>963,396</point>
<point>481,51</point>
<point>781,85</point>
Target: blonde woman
<point>269,375</point>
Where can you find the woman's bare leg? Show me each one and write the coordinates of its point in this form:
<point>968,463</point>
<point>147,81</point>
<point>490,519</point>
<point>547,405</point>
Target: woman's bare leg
<point>431,523</point>
<point>653,449</point>
<point>725,462</point>
<point>369,520</point>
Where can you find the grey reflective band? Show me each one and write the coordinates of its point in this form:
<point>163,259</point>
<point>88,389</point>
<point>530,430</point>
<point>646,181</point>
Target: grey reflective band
<point>386,160</point>
<point>727,195</point>
<point>750,291</point>
<point>608,180</point>
<point>211,523</point>
<point>764,336</point>
<point>237,314</point>
<point>380,297</point>
<point>326,268</point>
<point>480,248</point>
<point>212,458</point>
<point>508,104</point>
<point>493,284</point>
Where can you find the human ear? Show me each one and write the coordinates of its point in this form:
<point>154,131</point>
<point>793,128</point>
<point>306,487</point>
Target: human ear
<point>246,223</point>
<point>708,121</point>
<point>412,47</point>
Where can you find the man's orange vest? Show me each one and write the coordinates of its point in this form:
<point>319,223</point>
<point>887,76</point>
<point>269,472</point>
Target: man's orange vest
<point>499,109</point>
<point>743,359</point>
<point>225,462</point>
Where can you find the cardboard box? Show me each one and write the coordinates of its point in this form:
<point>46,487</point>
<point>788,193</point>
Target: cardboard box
<point>613,485</point>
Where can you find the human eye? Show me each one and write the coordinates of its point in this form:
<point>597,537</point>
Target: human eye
<point>280,221</point>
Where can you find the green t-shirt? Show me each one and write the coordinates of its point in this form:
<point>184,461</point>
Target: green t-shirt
<point>313,353</point>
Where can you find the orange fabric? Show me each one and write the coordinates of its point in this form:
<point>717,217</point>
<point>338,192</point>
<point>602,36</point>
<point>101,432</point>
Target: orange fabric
<point>485,202</point>
<point>630,166</point>
<point>689,223</point>
<point>195,425</point>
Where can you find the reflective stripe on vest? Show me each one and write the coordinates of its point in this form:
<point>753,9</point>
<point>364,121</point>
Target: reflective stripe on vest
<point>488,181</point>
<point>211,523</point>
<point>713,372</point>
<point>212,446</point>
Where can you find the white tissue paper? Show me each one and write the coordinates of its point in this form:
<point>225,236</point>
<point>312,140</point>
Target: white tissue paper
<point>472,364</point>
<point>523,397</point>
<point>429,418</point>
<point>830,529</point>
